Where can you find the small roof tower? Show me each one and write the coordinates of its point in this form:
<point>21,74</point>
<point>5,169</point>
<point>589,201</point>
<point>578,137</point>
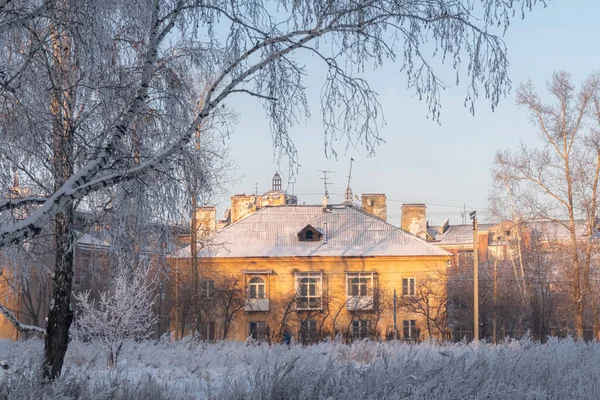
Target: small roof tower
<point>276,181</point>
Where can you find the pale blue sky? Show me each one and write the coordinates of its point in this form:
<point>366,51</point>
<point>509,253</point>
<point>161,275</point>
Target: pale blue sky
<point>443,165</point>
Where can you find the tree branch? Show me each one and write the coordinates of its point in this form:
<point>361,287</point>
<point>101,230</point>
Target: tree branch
<point>25,18</point>
<point>19,325</point>
<point>12,204</point>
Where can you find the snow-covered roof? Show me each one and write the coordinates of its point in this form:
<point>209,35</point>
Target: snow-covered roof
<point>88,240</point>
<point>459,234</point>
<point>546,230</point>
<point>348,232</point>
<point>554,231</point>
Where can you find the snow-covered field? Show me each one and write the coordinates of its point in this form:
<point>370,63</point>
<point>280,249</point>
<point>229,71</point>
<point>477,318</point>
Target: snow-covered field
<point>560,369</point>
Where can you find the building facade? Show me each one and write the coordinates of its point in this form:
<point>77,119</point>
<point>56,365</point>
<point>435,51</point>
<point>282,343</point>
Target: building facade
<point>315,271</point>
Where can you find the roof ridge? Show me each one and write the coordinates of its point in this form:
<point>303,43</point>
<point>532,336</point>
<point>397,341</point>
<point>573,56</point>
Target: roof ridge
<point>408,234</point>
<point>241,220</point>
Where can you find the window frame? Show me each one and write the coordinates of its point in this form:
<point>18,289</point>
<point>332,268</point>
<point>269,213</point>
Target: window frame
<point>315,234</point>
<point>208,286</point>
<point>409,329</point>
<point>309,331</point>
<point>210,331</point>
<point>256,287</point>
<point>464,257</point>
<point>369,288</point>
<point>312,301</point>
<point>360,329</point>
<point>260,332</point>
<point>408,290</point>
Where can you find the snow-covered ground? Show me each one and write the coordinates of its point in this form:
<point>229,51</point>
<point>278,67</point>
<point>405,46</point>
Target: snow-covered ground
<point>560,369</point>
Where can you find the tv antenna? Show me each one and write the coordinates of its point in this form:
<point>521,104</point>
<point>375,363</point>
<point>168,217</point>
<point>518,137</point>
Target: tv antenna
<point>325,180</point>
<point>348,194</point>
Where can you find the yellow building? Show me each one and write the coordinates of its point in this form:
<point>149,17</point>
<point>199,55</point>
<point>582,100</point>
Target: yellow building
<point>315,272</point>
<point>11,301</point>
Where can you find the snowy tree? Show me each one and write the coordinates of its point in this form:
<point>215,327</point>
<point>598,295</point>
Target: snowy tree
<point>121,314</point>
<point>106,88</point>
<point>559,180</point>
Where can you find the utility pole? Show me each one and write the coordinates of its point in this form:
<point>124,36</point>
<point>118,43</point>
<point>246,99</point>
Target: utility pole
<point>177,299</point>
<point>494,322</point>
<point>395,325</point>
<point>473,216</point>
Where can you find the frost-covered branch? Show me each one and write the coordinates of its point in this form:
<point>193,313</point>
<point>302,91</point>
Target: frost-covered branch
<point>17,203</point>
<point>253,52</point>
<point>26,17</point>
<point>21,327</point>
<point>123,313</point>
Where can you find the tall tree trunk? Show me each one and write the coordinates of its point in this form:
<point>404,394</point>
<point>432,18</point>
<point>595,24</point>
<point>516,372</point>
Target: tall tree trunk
<point>60,315</point>
<point>194,254</point>
<point>578,293</point>
<point>196,297</point>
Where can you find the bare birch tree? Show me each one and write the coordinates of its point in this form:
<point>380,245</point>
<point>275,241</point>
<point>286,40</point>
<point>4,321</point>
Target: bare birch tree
<point>429,301</point>
<point>559,180</point>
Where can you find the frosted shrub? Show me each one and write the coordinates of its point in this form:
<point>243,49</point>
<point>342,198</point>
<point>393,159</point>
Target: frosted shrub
<point>520,369</point>
<point>123,313</point>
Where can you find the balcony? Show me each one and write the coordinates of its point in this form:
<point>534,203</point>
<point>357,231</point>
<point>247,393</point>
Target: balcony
<point>257,305</point>
<point>359,303</point>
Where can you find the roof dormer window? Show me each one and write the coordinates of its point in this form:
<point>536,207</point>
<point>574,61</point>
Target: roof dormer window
<point>310,234</point>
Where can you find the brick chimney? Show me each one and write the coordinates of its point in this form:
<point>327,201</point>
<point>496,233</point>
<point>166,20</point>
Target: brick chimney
<point>206,218</point>
<point>242,205</point>
<point>375,204</point>
<point>222,223</point>
<point>414,219</point>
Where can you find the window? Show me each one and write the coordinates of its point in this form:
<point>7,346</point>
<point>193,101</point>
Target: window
<point>257,288</point>
<point>410,329</point>
<point>309,234</point>
<point>208,287</point>
<point>209,330</point>
<point>359,290</point>
<point>464,258</point>
<point>258,330</point>
<point>408,286</point>
<point>308,288</point>
<point>308,331</point>
<point>359,284</point>
<point>360,329</point>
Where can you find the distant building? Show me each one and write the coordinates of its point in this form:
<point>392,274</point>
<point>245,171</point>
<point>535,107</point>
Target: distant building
<point>94,265</point>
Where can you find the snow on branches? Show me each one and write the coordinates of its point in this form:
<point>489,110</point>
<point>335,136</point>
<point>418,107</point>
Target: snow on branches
<point>255,52</point>
<point>121,314</point>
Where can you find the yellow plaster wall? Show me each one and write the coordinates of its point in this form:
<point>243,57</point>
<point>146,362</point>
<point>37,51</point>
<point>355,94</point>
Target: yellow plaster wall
<point>10,301</point>
<point>281,288</point>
